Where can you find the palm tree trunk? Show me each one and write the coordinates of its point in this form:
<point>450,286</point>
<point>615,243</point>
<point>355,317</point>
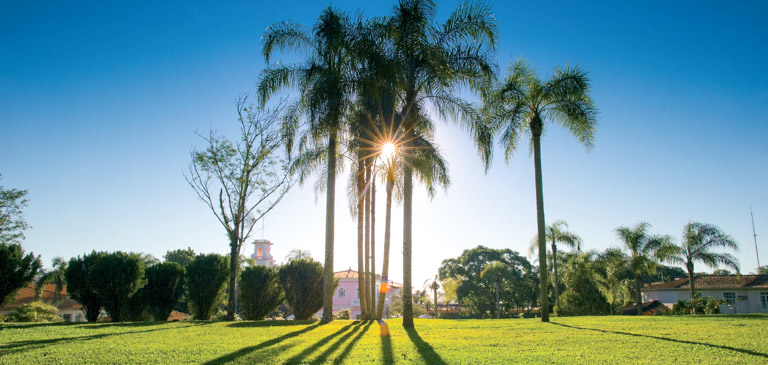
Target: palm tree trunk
<point>554,270</point>
<point>360,230</point>
<point>385,268</point>
<point>367,278</point>
<point>544,307</point>
<point>407,242</point>
<point>638,295</point>
<point>498,309</point>
<point>434,293</point>
<point>330,200</point>
<point>689,267</point>
<point>373,246</point>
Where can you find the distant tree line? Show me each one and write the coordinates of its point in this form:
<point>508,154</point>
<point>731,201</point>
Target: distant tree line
<point>498,282</point>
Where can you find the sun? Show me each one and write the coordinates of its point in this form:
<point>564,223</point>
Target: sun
<point>388,150</point>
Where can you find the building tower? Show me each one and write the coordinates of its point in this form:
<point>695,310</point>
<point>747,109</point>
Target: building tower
<point>261,253</point>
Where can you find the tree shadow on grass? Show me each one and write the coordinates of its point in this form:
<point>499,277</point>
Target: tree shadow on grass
<point>268,323</point>
<point>309,350</point>
<point>22,346</point>
<point>247,350</point>
<point>743,351</point>
<point>386,350</point>
<point>324,356</point>
<point>425,350</point>
<point>351,344</point>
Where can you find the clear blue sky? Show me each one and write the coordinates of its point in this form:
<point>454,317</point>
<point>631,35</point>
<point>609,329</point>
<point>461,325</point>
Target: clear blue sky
<point>99,104</point>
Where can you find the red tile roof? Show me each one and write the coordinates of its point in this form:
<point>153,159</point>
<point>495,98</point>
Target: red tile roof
<point>714,282</point>
<point>27,294</point>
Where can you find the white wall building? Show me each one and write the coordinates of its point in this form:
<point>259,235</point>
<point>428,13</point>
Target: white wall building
<point>742,293</point>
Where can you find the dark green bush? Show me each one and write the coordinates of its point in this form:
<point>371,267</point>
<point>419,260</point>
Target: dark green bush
<point>260,292</point>
<point>16,270</point>
<point>115,278</point>
<point>77,284</point>
<point>302,281</point>
<point>165,285</point>
<point>205,279</point>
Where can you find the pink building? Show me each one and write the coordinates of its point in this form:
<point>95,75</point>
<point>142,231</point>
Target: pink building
<point>347,297</point>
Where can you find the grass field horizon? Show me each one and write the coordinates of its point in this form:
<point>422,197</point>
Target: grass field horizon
<point>608,339</point>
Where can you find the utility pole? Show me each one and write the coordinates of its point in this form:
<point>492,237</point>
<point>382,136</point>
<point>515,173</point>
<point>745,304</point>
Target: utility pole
<point>754,235</point>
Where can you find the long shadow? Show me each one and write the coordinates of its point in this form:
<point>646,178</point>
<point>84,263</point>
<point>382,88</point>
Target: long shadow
<point>19,346</point>
<point>268,323</point>
<point>743,351</point>
<point>386,350</point>
<point>351,344</point>
<point>425,350</point>
<point>309,350</point>
<point>322,357</point>
<point>247,350</point>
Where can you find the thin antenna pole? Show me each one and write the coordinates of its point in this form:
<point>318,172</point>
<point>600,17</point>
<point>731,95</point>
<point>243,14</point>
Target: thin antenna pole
<point>754,235</point>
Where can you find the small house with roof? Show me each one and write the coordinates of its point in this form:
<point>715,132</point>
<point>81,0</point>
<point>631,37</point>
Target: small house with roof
<point>69,310</point>
<point>742,293</point>
<point>347,296</point>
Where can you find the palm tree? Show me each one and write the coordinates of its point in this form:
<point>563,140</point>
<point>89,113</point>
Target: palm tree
<point>557,232</point>
<point>522,103</point>
<point>298,254</point>
<point>644,251</point>
<point>431,62</point>
<point>496,272</point>
<point>434,286</point>
<point>615,283</point>
<point>698,241</point>
<point>55,277</point>
<point>325,91</point>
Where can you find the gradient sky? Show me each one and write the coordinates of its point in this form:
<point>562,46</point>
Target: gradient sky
<point>99,104</point>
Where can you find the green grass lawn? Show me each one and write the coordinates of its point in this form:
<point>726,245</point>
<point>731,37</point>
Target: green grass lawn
<point>658,339</point>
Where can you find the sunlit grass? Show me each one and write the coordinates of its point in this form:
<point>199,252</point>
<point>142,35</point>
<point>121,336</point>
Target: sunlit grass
<point>665,339</point>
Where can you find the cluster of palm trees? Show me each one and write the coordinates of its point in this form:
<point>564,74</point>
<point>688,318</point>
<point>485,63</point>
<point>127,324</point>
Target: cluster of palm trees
<point>366,83</point>
<point>641,253</point>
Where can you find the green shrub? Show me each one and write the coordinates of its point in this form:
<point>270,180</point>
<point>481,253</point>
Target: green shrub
<point>260,292</point>
<point>343,314</point>
<point>302,281</point>
<point>165,285</point>
<point>205,279</point>
<point>34,312</point>
<point>77,284</point>
<point>708,305</point>
<point>115,277</point>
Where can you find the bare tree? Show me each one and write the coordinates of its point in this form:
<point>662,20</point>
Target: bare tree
<point>242,181</point>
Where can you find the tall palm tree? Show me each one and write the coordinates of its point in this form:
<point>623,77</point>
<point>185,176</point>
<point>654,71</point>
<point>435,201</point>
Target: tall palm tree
<point>55,277</point>
<point>496,272</point>
<point>557,232</point>
<point>522,104</point>
<point>324,86</point>
<point>432,61</point>
<point>644,251</point>
<point>698,241</point>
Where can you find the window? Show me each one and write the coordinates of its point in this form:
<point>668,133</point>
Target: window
<point>258,254</point>
<point>730,298</point>
<point>66,317</point>
<point>764,299</point>
<point>342,293</point>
